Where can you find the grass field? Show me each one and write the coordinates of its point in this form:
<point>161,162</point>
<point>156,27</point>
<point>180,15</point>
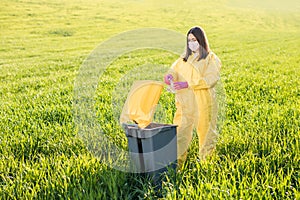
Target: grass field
<point>43,45</point>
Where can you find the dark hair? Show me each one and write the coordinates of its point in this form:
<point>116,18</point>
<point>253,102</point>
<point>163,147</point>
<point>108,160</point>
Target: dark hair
<point>202,40</point>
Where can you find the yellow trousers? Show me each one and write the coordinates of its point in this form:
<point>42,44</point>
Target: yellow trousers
<point>195,109</point>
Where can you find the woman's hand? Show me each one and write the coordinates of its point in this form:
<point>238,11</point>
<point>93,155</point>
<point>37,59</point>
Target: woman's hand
<point>167,78</point>
<point>180,85</point>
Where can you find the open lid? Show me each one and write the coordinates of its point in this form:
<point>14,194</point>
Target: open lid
<point>141,102</point>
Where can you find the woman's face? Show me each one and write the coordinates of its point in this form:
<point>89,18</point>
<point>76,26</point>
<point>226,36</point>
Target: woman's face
<point>193,43</point>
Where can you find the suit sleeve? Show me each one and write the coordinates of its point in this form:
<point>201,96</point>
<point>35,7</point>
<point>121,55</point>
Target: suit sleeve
<point>173,71</point>
<point>211,75</point>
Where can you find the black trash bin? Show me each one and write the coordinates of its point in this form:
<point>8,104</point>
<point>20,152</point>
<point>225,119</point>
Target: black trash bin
<point>153,150</point>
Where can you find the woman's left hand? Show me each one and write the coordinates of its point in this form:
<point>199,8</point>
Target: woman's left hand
<point>180,85</point>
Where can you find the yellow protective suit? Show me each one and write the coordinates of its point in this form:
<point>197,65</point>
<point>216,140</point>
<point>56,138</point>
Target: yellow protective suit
<point>196,105</point>
<point>141,102</point>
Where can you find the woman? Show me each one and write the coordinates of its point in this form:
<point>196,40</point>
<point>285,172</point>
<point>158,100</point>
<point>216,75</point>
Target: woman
<point>194,76</point>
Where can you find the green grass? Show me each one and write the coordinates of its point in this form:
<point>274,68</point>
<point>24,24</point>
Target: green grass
<point>44,43</point>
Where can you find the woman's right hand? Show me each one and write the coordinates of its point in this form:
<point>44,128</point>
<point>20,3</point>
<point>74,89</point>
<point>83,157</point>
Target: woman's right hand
<point>167,78</point>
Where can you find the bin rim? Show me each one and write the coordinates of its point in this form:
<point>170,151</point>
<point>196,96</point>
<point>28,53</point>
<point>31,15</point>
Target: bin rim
<point>141,131</point>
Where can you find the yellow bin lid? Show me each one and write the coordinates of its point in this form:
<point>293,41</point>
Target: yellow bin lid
<point>141,102</point>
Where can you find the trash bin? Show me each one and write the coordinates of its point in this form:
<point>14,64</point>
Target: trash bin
<point>153,149</point>
<point>152,146</point>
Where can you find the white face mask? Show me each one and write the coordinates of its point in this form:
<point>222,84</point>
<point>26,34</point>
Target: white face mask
<point>193,45</point>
